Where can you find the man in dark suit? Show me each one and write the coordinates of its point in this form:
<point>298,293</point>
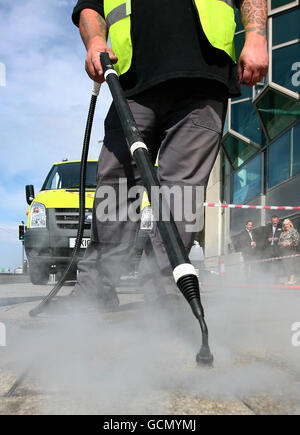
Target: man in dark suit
<point>247,245</point>
<point>273,231</point>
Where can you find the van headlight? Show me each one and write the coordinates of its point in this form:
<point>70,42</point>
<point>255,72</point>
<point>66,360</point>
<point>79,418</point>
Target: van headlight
<point>38,217</point>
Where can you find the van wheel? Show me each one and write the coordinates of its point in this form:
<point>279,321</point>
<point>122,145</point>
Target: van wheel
<point>39,273</point>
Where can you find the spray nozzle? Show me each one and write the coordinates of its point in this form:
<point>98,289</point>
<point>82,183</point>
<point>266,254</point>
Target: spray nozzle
<point>205,357</point>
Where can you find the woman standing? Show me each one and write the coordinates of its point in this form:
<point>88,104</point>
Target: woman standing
<point>288,241</point>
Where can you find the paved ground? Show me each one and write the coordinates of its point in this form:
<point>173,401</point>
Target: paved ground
<point>141,360</point>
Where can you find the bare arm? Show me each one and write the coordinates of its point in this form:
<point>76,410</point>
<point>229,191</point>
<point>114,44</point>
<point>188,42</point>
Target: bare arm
<point>254,60</point>
<point>93,32</point>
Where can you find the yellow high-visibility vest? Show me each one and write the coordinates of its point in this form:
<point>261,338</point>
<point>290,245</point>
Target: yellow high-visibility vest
<point>216,17</point>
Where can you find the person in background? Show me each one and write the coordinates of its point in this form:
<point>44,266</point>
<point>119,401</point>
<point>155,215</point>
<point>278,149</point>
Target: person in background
<point>247,245</point>
<point>288,242</point>
<point>273,232</point>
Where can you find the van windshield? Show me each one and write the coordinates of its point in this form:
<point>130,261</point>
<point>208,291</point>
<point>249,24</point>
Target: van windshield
<point>67,176</point>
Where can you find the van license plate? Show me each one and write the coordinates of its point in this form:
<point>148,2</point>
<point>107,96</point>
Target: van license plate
<point>84,243</point>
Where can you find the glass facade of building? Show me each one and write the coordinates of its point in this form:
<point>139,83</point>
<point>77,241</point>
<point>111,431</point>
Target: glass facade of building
<point>261,143</point>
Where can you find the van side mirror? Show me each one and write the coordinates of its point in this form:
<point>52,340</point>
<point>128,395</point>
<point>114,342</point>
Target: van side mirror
<point>29,189</point>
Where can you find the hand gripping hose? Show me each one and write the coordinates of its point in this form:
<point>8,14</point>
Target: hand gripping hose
<point>183,271</point>
<point>85,150</point>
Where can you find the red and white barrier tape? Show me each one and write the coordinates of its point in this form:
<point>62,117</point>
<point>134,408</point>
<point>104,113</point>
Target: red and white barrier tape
<point>258,207</point>
<point>263,260</point>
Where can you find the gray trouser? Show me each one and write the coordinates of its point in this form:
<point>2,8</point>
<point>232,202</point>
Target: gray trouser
<point>183,129</point>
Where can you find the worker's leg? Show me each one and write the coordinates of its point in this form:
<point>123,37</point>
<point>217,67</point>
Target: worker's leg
<point>113,232</point>
<point>192,130</point>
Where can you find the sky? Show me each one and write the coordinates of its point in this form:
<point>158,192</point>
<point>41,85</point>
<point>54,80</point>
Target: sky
<point>44,101</point>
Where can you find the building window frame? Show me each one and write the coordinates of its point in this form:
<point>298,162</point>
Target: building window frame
<point>281,8</point>
<point>260,154</point>
<point>291,152</point>
<point>272,48</point>
<point>280,90</point>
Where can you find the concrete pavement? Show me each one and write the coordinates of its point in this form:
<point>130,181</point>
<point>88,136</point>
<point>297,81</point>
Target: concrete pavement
<point>141,360</point>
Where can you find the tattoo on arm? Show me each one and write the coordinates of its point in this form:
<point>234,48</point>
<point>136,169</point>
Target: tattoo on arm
<point>254,16</point>
<point>91,24</point>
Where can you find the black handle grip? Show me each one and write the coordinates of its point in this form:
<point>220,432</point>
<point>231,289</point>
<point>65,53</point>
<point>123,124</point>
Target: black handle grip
<point>105,62</point>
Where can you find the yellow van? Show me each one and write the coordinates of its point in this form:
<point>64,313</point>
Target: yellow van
<point>53,218</point>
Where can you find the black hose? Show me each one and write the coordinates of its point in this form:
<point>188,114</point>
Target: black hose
<point>85,150</point>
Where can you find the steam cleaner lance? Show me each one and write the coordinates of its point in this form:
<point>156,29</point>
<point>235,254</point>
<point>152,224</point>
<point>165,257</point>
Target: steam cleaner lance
<point>184,273</point>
